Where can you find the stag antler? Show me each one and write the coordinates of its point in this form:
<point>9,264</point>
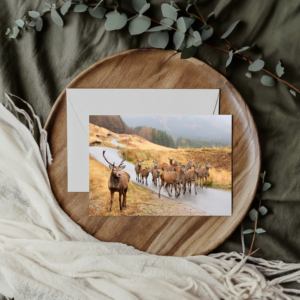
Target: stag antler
<point>123,158</point>
<point>106,159</point>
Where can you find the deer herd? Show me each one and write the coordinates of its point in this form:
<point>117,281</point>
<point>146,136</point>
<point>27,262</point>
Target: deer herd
<point>174,175</point>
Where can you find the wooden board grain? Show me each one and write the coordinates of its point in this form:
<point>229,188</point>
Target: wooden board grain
<point>179,236</point>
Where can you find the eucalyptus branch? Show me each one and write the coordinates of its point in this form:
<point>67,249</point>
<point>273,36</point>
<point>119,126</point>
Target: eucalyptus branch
<point>201,18</point>
<point>259,205</point>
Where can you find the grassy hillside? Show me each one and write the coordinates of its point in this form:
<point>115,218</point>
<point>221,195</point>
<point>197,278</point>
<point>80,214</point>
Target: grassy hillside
<point>140,201</point>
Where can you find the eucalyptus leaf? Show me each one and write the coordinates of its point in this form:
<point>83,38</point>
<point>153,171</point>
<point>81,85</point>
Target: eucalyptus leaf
<point>98,12</point>
<point>189,41</point>
<point>293,93</point>
<point>266,186</point>
<point>34,14</point>
<point>20,23</point>
<point>206,33</point>
<point>115,20</point>
<point>178,38</point>
<point>197,36</point>
<point>257,65</point>
<point>188,22</point>
<point>188,6</point>
<point>263,210</point>
<point>268,80</point>
<point>229,60</point>
<point>229,30</point>
<point>210,16</point>
<point>279,69</point>
<point>50,2</point>
<point>139,25</point>
<point>188,52</point>
<point>181,24</point>
<point>182,46</point>
<point>249,74</point>
<point>169,11</point>
<point>261,175</point>
<point>174,5</point>
<point>138,4</point>
<point>65,8</point>
<point>32,23</point>
<point>159,39</point>
<point>145,8</point>
<point>253,214</point>
<point>39,24</point>
<point>260,230</point>
<point>242,49</point>
<point>167,21</point>
<point>15,33</point>
<point>56,18</point>
<point>157,28</point>
<point>247,231</point>
<point>7,31</point>
<point>80,8</point>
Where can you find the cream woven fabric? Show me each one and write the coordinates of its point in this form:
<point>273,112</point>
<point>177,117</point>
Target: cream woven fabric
<point>44,255</point>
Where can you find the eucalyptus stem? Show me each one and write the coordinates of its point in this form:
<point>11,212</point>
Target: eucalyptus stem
<point>259,205</point>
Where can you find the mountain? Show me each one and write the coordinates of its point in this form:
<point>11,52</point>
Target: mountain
<point>193,127</point>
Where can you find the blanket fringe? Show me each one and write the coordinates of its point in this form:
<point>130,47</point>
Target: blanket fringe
<point>44,145</point>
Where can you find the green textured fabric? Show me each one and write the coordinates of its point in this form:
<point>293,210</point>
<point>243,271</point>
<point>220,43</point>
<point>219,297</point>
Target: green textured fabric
<point>38,66</point>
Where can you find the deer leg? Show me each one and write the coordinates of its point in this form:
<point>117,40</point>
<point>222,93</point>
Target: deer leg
<point>168,190</point>
<point>176,191</point>
<point>120,200</point>
<point>124,197</point>
<point>111,199</point>
<point>206,181</point>
<point>195,187</point>
<point>179,187</point>
<point>162,183</point>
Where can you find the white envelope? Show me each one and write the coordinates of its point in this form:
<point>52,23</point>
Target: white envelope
<point>81,103</point>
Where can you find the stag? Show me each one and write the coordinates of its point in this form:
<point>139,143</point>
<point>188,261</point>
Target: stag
<point>191,175</point>
<point>204,173</point>
<point>152,168</point>
<point>118,182</point>
<point>145,173</point>
<point>156,175</point>
<point>138,168</point>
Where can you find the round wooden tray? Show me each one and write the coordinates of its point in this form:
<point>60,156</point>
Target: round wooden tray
<point>179,236</point>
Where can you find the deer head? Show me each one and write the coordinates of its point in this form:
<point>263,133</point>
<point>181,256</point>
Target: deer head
<point>140,162</point>
<point>158,171</point>
<point>116,170</point>
<point>176,163</point>
<point>155,163</point>
<point>170,160</point>
<point>207,165</point>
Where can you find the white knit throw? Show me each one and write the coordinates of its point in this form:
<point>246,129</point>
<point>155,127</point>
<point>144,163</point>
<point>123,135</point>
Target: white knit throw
<point>44,255</point>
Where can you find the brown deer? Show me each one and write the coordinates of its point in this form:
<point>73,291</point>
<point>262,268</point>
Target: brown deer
<point>118,182</point>
<point>191,175</point>
<point>170,161</point>
<point>171,178</point>
<point>156,175</point>
<point>138,168</point>
<point>189,164</point>
<point>181,170</point>
<point>204,173</point>
<point>144,174</point>
<point>153,167</point>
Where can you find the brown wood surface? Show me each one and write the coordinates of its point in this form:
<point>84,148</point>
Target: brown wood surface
<point>179,236</point>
